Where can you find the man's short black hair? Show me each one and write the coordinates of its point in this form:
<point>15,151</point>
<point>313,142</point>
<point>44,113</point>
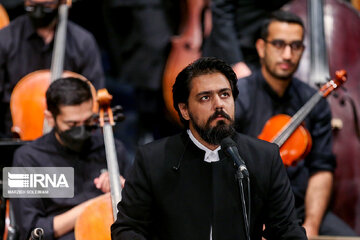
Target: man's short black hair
<point>202,66</point>
<point>280,16</point>
<point>67,92</point>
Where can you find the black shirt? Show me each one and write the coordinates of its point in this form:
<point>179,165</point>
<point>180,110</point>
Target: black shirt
<point>23,51</point>
<point>47,152</point>
<point>257,102</point>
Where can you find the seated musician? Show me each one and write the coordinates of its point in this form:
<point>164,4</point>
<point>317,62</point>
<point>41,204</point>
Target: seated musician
<point>273,90</point>
<point>26,45</point>
<point>69,144</point>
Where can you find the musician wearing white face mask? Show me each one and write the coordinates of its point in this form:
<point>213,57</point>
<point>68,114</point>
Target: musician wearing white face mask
<point>273,90</point>
<point>26,45</point>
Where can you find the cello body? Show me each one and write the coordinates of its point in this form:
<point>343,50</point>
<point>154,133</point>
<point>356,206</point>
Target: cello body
<point>196,20</point>
<point>28,103</point>
<point>179,58</point>
<point>95,221</point>
<point>4,18</point>
<point>342,34</point>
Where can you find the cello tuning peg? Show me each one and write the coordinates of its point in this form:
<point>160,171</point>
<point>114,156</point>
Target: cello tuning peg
<point>118,113</point>
<point>119,118</point>
<point>117,108</point>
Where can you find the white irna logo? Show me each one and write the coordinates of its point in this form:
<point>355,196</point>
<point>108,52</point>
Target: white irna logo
<point>34,180</point>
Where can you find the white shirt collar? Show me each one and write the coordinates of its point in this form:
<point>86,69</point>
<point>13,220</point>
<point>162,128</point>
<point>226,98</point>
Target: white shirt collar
<point>210,155</point>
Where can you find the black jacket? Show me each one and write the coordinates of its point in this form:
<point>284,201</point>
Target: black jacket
<point>172,193</point>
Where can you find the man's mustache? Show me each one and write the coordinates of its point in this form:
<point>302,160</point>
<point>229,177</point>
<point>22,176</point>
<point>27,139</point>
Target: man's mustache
<point>287,62</point>
<point>217,114</point>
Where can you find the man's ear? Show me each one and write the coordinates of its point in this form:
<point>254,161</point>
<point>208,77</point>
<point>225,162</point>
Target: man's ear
<point>184,111</point>
<point>260,47</point>
<point>49,118</point>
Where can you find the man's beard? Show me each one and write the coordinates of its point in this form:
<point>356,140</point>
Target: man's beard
<point>286,76</point>
<point>214,135</point>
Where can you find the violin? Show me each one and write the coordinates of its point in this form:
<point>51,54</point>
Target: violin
<point>4,18</point>
<point>27,102</point>
<point>293,139</point>
<point>96,219</point>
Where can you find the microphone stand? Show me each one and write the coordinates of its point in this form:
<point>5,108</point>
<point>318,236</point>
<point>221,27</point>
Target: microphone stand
<point>246,214</point>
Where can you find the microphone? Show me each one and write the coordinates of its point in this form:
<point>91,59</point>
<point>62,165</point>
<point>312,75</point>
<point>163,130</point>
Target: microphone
<point>230,149</point>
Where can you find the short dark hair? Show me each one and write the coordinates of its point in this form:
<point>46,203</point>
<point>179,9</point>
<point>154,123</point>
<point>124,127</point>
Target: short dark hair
<point>67,92</point>
<point>202,66</point>
<point>280,16</point>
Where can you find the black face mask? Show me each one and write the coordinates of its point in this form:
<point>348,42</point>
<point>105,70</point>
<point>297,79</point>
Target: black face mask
<point>76,139</point>
<point>40,15</point>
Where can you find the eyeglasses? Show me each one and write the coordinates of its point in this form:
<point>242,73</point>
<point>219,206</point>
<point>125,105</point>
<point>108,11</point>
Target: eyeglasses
<point>296,46</point>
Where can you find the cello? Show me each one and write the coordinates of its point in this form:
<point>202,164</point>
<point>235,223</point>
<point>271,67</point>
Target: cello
<point>27,102</point>
<point>96,219</point>
<point>183,51</point>
<point>342,34</point>
<point>4,18</point>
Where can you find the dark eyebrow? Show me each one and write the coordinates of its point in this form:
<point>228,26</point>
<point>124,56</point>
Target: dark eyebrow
<point>88,119</point>
<point>225,89</point>
<point>209,92</point>
<point>70,122</point>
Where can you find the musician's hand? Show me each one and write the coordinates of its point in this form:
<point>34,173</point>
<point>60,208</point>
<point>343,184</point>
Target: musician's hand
<point>122,181</point>
<point>263,231</point>
<point>241,70</point>
<point>190,40</point>
<point>310,230</point>
<point>103,182</point>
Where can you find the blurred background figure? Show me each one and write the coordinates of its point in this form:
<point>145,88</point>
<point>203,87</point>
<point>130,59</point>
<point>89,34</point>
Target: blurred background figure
<point>235,28</point>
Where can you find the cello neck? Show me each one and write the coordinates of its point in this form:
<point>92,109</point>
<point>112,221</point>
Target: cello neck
<point>104,99</point>
<point>319,59</point>
<point>57,62</point>
<point>113,167</point>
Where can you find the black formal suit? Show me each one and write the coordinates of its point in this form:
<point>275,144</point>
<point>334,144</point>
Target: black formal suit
<point>185,202</point>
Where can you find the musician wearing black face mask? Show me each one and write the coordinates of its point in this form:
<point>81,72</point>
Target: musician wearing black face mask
<point>26,45</point>
<point>71,143</point>
<point>42,15</point>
